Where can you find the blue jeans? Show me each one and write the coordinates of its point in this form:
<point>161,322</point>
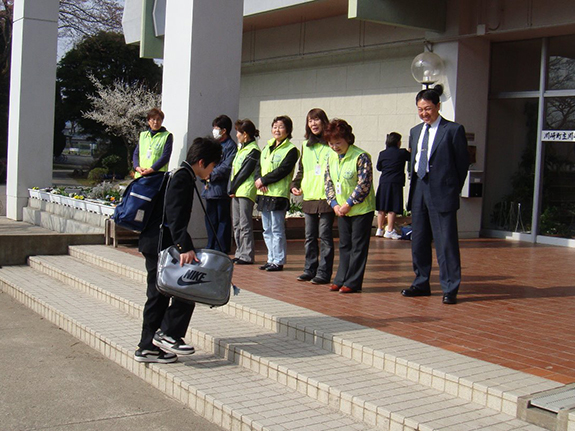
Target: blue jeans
<point>274,234</point>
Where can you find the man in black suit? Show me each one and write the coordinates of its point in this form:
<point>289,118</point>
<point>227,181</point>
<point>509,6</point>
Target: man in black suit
<point>439,163</point>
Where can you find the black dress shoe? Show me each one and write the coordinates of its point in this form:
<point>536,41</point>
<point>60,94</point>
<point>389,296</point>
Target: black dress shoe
<point>243,262</point>
<point>319,280</point>
<point>265,266</point>
<point>449,299</point>
<point>274,267</point>
<point>414,291</point>
<point>305,277</point>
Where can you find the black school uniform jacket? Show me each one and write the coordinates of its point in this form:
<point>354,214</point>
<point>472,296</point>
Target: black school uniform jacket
<point>178,194</point>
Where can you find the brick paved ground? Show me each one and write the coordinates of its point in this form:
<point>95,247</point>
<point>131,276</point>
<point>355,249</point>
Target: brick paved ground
<point>516,304</point>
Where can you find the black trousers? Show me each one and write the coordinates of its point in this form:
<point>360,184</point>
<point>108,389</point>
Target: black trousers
<point>354,236</point>
<point>430,224</point>
<point>219,212</point>
<point>319,230</point>
<point>173,318</point>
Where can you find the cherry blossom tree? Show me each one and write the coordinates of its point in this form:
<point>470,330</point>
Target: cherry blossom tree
<point>122,109</point>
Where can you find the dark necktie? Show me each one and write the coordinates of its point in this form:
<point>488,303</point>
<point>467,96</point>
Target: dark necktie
<point>422,164</point>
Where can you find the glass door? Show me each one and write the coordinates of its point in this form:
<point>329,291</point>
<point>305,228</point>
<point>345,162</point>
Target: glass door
<point>557,213</point>
<point>530,183</point>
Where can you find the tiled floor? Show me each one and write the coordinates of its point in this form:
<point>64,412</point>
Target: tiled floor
<point>516,304</point>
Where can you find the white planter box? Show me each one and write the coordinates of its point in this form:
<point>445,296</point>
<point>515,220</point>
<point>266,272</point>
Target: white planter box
<point>44,195</point>
<point>93,206</point>
<point>67,201</point>
<point>34,193</point>
<point>57,199</point>
<point>79,204</point>
<point>108,210</point>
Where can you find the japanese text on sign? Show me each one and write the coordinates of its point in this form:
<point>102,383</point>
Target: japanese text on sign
<point>558,135</point>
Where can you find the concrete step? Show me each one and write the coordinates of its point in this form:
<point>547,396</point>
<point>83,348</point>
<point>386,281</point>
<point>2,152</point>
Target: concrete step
<point>63,219</point>
<point>21,239</point>
<point>375,396</point>
<point>481,382</point>
<point>229,395</point>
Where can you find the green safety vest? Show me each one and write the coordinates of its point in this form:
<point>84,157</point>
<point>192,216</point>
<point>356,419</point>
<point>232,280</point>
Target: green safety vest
<point>314,161</point>
<point>248,188</point>
<point>344,172</point>
<point>154,145</point>
<point>272,160</point>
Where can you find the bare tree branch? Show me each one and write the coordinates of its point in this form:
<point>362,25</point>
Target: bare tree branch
<point>80,18</point>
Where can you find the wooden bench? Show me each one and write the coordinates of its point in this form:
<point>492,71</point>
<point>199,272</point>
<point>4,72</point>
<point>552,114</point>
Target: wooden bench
<point>115,234</point>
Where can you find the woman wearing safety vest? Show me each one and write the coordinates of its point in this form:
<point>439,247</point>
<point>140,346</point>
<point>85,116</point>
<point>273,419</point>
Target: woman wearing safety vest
<point>349,191</point>
<point>242,190</point>
<point>319,216</point>
<point>154,148</point>
<point>273,176</point>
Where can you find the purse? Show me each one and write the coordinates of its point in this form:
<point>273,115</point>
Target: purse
<point>208,281</point>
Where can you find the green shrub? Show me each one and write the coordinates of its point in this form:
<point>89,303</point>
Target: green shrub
<point>96,175</point>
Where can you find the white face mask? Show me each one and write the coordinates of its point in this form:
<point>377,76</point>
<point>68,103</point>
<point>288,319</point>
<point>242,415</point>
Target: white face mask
<point>217,133</point>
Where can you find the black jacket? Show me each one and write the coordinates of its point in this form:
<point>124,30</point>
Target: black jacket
<point>178,194</point>
<point>448,164</point>
<point>391,163</point>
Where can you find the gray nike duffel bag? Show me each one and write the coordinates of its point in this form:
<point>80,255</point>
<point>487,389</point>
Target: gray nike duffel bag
<point>207,282</point>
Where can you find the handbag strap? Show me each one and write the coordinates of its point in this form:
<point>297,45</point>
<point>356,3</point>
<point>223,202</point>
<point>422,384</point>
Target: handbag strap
<point>162,226</point>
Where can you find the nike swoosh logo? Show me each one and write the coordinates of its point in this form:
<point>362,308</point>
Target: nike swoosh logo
<point>184,282</point>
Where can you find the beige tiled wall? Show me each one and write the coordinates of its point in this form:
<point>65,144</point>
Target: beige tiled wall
<point>375,97</point>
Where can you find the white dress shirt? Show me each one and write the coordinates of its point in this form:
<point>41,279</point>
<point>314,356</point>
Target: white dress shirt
<point>432,132</point>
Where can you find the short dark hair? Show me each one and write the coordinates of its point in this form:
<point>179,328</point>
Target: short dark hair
<point>223,122</point>
<point>428,94</point>
<point>155,112</point>
<point>288,123</point>
<point>207,149</point>
<point>393,139</point>
<point>247,126</point>
<point>338,128</point>
<point>315,113</point>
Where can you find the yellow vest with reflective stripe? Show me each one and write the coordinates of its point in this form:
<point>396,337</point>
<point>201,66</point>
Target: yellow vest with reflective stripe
<point>248,188</point>
<point>271,160</point>
<point>344,172</point>
<point>314,161</point>
<point>155,146</point>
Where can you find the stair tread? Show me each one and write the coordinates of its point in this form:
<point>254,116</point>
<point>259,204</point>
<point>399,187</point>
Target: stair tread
<point>382,390</point>
<point>482,376</point>
<point>252,395</point>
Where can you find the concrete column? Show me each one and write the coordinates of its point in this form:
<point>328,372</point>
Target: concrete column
<point>465,101</point>
<point>202,66</point>
<point>32,90</point>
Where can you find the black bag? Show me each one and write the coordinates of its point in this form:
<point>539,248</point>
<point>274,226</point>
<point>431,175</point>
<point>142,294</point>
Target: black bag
<point>207,282</point>
<point>135,208</point>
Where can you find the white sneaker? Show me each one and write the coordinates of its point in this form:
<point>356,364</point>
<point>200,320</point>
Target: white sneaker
<point>391,234</point>
<point>379,232</point>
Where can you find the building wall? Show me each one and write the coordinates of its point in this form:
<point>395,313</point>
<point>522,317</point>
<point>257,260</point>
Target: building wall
<point>374,97</point>
<point>360,73</point>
